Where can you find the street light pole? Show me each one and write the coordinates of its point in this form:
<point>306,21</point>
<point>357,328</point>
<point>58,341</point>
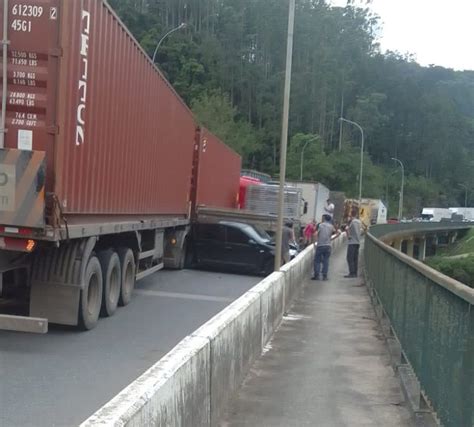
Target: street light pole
<point>465,194</point>
<point>302,154</point>
<point>361,153</point>
<point>179,27</point>
<point>400,203</point>
<point>284,133</point>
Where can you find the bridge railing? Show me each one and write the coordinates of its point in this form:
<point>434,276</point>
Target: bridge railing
<point>432,316</point>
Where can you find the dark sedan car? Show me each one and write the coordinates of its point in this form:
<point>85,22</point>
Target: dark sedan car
<point>233,246</point>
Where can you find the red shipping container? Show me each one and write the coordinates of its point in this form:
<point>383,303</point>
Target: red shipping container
<point>219,173</point>
<point>117,139</point>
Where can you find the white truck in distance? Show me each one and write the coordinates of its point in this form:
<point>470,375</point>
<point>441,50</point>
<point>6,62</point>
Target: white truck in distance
<point>466,213</point>
<point>315,196</point>
<point>435,214</point>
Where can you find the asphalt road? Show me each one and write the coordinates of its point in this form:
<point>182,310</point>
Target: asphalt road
<point>59,379</point>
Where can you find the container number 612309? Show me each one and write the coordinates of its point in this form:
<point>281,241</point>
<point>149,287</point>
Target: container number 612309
<point>27,10</point>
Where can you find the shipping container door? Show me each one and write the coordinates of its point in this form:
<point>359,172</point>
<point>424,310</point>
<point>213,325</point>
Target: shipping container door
<point>32,64</point>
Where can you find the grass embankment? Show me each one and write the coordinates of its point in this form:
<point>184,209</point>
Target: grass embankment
<point>457,261</point>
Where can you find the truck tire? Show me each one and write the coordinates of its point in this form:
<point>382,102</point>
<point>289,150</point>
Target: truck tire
<point>91,295</point>
<point>112,281</point>
<point>127,266</point>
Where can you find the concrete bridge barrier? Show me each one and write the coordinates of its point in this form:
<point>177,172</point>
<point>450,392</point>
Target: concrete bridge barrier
<point>193,383</point>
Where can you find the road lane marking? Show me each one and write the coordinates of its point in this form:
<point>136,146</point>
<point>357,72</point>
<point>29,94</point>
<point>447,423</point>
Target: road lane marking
<point>177,295</point>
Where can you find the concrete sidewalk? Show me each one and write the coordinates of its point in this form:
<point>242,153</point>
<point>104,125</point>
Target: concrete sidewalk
<point>327,365</point>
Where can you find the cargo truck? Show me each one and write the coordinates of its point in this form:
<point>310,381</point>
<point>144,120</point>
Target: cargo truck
<point>435,214</point>
<point>372,211</point>
<point>315,196</point>
<point>263,199</point>
<point>102,165</point>
<point>339,200</point>
<point>466,213</point>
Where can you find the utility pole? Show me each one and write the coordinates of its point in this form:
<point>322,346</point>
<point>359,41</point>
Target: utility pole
<point>179,27</point>
<point>302,156</point>
<point>284,133</point>
<point>465,194</point>
<point>342,119</point>
<point>400,201</point>
<point>341,128</point>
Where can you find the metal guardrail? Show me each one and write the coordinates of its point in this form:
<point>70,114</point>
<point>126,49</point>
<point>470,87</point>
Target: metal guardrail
<point>417,228</point>
<point>432,316</point>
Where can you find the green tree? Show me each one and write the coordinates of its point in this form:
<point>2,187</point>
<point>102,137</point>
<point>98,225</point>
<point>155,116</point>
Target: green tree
<point>215,112</point>
<point>232,54</point>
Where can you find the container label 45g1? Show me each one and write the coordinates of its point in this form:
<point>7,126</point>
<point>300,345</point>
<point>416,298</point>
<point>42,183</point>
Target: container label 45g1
<point>23,15</point>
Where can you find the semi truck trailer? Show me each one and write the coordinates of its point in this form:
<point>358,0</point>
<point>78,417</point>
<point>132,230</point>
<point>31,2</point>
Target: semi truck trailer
<point>102,164</point>
<point>315,196</point>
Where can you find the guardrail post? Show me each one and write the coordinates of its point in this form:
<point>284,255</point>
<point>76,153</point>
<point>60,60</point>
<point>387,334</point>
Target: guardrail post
<point>453,237</point>
<point>410,247</point>
<point>422,248</point>
<point>397,244</point>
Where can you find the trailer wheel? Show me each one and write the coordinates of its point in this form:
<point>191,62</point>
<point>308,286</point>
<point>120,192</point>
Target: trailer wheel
<point>112,281</point>
<point>127,264</point>
<point>91,295</point>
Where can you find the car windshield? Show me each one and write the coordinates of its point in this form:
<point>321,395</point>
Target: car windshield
<point>258,233</point>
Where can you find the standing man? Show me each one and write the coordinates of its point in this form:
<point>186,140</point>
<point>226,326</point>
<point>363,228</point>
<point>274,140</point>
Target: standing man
<point>353,243</point>
<point>288,236</point>
<point>329,208</point>
<point>323,249</point>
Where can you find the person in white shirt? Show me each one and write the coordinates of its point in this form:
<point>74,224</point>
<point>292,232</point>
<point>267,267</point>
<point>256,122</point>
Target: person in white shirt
<point>329,208</point>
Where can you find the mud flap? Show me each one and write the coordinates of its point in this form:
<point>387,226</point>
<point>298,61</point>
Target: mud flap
<point>175,248</point>
<point>57,279</point>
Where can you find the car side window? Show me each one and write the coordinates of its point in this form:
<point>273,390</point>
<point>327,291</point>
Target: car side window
<point>210,232</point>
<point>234,235</point>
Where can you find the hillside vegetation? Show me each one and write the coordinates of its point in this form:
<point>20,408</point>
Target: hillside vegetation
<point>228,64</point>
<point>457,261</point>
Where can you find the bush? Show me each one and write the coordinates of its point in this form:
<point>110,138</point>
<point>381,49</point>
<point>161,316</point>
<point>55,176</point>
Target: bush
<point>461,269</point>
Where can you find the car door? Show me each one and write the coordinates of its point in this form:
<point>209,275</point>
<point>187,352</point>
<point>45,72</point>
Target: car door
<point>209,241</point>
<point>240,252</point>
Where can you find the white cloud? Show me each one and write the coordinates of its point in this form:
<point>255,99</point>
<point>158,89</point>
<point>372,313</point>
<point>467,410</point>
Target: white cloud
<point>437,31</point>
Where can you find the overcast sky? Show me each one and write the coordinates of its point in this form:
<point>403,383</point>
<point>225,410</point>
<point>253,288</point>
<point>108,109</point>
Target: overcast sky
<point>438,32</point>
